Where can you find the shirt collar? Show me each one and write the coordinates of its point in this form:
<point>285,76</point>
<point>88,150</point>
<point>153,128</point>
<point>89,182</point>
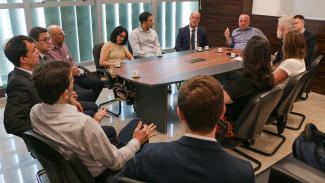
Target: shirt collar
<point>200,137</point>
<point>141,30</point>
<point>238,29</point>
<point>192,28</point>
<point>28,71</point>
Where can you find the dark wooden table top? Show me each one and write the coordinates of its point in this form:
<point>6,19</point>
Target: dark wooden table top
<point>178,66</point>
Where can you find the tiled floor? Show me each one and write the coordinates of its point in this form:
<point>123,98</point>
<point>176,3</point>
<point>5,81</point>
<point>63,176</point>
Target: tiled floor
<point>17,166</point>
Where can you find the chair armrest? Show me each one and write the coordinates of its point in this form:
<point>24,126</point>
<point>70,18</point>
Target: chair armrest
<point>291,169</point>
<point>86,71</point>
<point>128,180</point>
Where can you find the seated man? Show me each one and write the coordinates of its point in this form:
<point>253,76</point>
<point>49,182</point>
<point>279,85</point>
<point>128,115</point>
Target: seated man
<point>285,24</point>
<point>240,36</point>
<point>60,51</point>
<point>197,156</point>
<point>42,43</point>
<point>21,93</point>
<point>59,121</point>
<point>310,39</point>
<point>191,36</point>
<point>144,40</point>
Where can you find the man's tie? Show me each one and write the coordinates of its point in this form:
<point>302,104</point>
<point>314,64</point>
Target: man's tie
<point>193,40</point>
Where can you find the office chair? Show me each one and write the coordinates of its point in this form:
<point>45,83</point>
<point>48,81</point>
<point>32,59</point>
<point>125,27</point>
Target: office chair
<point>105,76</point>
<point>60,163</point>
<point>313,57</point>
<point>313,68</point>
<point>284,107</point>
<point>250,123</point>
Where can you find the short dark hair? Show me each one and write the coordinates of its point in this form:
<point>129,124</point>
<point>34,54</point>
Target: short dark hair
<point>51,80</point>
<point>117,31</point>
<point>257,63</point>
<point>299,17</point>
<point>144,16</point>
<point>200,99</point>
<point>294,45</point>
<point>36,31</point>
<point>16,47</point>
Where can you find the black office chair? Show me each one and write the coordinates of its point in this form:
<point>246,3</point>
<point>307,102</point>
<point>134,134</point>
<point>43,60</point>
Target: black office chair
<point>105,76</point>
<point>60,164</point>
<point>285,106</point>
<point>313,57</point>
<point>252,119</point>
<point>292,170</point>
<point>313,68</point>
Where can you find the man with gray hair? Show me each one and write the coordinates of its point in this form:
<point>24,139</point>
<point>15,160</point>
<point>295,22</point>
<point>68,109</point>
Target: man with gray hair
<point>240,36</point>
<point>60,51</point>
<point>285,24</point>
<point>192,35</point>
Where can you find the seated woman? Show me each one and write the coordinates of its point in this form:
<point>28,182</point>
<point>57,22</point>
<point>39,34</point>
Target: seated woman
<point>294,51</point>
<point>114,51</point>
<point>255,77</point>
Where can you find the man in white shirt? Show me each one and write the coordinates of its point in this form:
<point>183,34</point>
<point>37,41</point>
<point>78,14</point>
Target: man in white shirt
<point>144,40</point>
<point>61,122</point>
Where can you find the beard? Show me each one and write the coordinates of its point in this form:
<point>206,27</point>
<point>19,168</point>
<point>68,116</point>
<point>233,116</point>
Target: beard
<point>279,34</point>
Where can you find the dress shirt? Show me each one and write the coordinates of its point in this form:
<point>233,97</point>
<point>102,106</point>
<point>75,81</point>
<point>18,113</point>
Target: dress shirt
<point>200,137</point>
<point>61,52</point>
<point>195,33</point>
<point>144,43</point>
<point>63,124</point>
<point>241,37</point>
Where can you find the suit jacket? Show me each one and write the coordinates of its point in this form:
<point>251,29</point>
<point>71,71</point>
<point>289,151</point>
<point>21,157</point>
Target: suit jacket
<point>310,44</point>
<point>187,160</point>
<point>21,97</point>
<point>183,38</point>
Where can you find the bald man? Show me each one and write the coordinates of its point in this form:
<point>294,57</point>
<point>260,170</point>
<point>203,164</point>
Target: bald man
<point>60,51</point>
<point>240,36</point>
<point>191,36</point>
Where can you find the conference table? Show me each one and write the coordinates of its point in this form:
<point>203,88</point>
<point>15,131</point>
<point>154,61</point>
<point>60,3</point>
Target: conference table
<point>156,73</point>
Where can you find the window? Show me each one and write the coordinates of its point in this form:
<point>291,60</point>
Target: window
<point>87,23</point>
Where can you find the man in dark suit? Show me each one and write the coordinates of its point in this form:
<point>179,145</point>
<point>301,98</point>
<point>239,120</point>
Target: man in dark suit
<point>197,156</point>
<point>191,36</point>
<point>21,93</point>
<point>310,39</point>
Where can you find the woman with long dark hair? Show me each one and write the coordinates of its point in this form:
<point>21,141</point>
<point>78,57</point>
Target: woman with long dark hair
<point>255,77</point>
<point>114,52</point>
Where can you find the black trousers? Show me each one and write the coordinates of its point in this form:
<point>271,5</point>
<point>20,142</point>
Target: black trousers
<point>92,83</point>
<point>90,108</point>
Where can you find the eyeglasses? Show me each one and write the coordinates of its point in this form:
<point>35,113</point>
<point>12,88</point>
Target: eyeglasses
<point>59,34</point>
<point>47,39</point>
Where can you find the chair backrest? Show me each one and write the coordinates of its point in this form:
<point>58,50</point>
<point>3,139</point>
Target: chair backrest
<point>290,93</point>
<point>129,47</point>
<point>60,164</point>
<point>315,53</point>
<point>312,71</point>
<point>96,54</point>
<point>255,114</point>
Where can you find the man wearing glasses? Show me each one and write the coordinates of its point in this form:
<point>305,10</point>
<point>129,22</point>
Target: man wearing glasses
<point>60,51</point>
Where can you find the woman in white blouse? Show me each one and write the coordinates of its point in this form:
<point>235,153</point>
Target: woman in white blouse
<point>294,51</point>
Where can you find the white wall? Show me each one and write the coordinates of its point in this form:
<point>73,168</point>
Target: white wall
<point>311,9</point>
